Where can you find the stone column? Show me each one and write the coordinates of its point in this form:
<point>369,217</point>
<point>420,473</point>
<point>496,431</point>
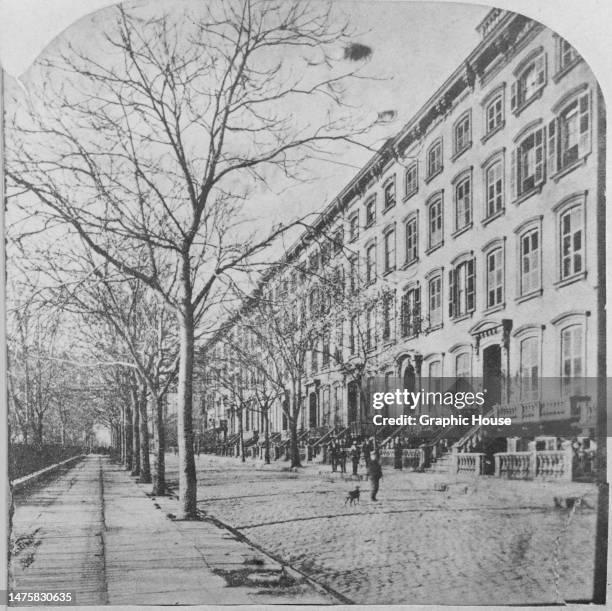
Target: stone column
<point>505,364</point>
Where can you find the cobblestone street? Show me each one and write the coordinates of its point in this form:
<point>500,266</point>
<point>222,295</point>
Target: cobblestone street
<point>479,542</point>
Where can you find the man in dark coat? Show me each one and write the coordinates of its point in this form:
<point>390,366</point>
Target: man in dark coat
<point>375,472</point>
<point>355,456</point>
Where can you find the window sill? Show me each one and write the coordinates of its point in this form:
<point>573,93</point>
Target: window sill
<point>388,271</point>
<point>570,279</point>
<point>490,134</point>
<point>410,336</point>
<point>411,194</point>
<point>408,264</point>
<point>429,178</point>
<point>463,317</point>
<point>494,216</point>
<point>387,208</point>
<point>525,196</point>
<point>460,152</point>
<point>458,232</point>
<point>535,96</point>
<point>370,282</point>
<point>528,296</point>
<point>370,224</point>
<point>387,343</point>
<point>353,239</point>
<point>561,73</point>
<point>434,328</point>
<point>495,308</point>
<point>434,247</point>
<point>557,176</point>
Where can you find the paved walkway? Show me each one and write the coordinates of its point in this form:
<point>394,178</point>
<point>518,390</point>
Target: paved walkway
<point>93,531</point>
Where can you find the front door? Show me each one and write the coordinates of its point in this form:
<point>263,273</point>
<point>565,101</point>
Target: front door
<point>353,401</point>
<point>492,374</point>
<point>313,410</point>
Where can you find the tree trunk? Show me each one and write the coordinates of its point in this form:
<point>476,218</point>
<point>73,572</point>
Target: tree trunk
<point>135,434</point>
<point>128,438</point>
<point>187,470</point>
<point>267,433</point>
<point>38,439</point>
<point>240,436</point>
<point>159,471</point>
<point>293,424</point>
<point>122,433</point>
<point>145,464</point>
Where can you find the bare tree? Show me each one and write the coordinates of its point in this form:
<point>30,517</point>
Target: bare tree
<point>148,148</point>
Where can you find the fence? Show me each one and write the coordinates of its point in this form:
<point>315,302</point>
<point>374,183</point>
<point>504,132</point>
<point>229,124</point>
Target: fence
<point>25,459</point>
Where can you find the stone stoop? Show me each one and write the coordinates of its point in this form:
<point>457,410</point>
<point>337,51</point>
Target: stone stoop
<point>442,465</point>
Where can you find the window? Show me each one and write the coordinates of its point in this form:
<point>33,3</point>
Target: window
<point>371,264</point>
<point>353,274</point>
<point>530,279</point>
<point>529,367</point>
<point>566,56</point>
<point>435,223</point>
<point>353,335</point>
<point>389,190</point>
<point>370,329</point>
<point>412,180</point>
<point>338,240</point>
<point>461,289</point>
<point>435,301</point>
<point>314,358</point>
<point>494,114</point>
<point>434,159</point>
<point>389,246</point>
<point>572,355</point>
<point>326,352</point>
<point>495,277</point>
<point>572,242</point>
<point>411,312</point>
<point>462,133</point>
<point>463,203</point>
<point>387,315</point>
<point>530,80</point>
<point>354,226</point>
<point>494,185</point>
<point>370,208</point>
<point>412,239</point>
<point>314,303</point>
<point>462,366</point>
<point>569,134</point>
<point>528,163</point>
<point>325,252</point>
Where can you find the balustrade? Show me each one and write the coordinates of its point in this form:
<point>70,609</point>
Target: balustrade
<point>469,462</point>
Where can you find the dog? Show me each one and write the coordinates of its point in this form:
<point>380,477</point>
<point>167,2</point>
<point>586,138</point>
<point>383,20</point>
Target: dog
<point>353,496</point>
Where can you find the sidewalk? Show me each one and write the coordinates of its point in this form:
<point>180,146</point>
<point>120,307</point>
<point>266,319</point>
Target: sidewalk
<point>152,559</point>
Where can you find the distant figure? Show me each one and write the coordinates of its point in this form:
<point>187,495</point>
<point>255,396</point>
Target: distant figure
<point>342,458</point>
<point>355,456</point>
<point>365,450</point>
<point>375,472</point>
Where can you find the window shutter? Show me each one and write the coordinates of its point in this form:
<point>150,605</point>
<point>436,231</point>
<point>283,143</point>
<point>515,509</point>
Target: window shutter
<point>403,313</point>
<point>416,319</point>
<point>552,147</point>
<point>584,142</point>
<point>469,291</point>
<point>540,68</point>
<point>451,293</point>
<point>513,171</point>
<point>539,156</point>
<point>514,95</point>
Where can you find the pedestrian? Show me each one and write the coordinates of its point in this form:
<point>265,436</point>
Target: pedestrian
<point>342,458</point>
<point>375,472</point>
<point>355,456</point>
<point>365,451</point>
<point>333,455</point>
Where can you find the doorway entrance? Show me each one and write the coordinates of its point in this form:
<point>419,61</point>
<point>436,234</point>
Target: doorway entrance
<point>312,410</point>
<point>492,374</point>
<point>353,401</point>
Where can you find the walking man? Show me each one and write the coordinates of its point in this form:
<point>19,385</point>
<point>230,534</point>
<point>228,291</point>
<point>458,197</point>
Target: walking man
<point>354,454</point>
<point>375,472</point>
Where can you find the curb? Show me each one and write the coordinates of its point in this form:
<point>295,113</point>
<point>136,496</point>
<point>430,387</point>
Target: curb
<point>26,480</point>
